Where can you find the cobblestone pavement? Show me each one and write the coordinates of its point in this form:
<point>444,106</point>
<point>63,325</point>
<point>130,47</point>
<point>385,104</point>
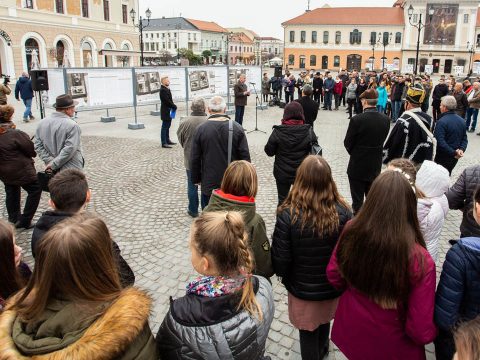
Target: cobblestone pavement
<point>139,189</point>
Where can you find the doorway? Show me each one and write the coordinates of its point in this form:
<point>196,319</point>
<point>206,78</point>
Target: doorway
<point>302,62</point>
<point>325,62</point>
<point>354,62</point>
<point>30,46</point>
<point>448,66</point>
<point>436,66</point>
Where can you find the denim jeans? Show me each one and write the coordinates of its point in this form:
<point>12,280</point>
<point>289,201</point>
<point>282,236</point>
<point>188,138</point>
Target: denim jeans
<point>192,195</point>
<point>472,112</point>
<point>28,108</point>
<point>239,111</point>
<point>328,100</point>
<point>380,109</point>
<point>165,132</point>
<point>396,105</point>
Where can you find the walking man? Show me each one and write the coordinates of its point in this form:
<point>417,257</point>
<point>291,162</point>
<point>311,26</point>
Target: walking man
<point>23,89</point>
<point>210,148</point>
<point>451,135</point>
<point>185,133</point>
<point>167,106</point>
<point>364,142</point>
<point>58,137</point>
<point>241,94</point>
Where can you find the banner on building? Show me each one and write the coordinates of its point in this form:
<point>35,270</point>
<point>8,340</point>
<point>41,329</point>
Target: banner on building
<point>458,70</point>
<point>443,27</point>
<point>429,69</point>
<point>408,68</point>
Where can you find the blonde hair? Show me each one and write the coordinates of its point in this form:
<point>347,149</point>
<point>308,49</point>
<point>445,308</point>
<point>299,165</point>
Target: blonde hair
<point>409,169</point>
<point>240,179</point>
<point>467,340</point>
<point>222,236</point>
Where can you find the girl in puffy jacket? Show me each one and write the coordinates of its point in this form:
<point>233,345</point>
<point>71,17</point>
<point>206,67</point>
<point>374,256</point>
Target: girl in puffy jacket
<point>226,312</point>
<point>467,340</point>
<point>458,292</point>
<point>308,226</point>
<point>431,182</point>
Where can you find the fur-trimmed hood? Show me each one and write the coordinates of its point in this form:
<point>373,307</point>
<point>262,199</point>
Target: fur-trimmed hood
<point>123,325</point>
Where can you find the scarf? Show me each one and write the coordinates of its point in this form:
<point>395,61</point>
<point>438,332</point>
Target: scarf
<point>293,122</point>
<point>215,286</point>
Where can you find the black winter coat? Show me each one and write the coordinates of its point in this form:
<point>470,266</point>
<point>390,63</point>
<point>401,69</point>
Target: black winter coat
<point>300,257</point>
<point>364,141</point>
<point>290,144</point>
<point>439,91</point>
<point>50,218</point>
<point>317,84</point>
<point>209,157</point>
<point>458,292</point>
<point>460,197</point>
<point>166,103</point>
<point>310,109</point>
<point>398,91</point>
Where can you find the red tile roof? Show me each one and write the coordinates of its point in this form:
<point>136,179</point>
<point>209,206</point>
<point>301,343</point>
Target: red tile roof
<point>241,37</point>
<point>207,26</point>
<point>350,16</point>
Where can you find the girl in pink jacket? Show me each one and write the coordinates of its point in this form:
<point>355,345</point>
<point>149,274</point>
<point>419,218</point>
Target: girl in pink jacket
<point>382,263</point>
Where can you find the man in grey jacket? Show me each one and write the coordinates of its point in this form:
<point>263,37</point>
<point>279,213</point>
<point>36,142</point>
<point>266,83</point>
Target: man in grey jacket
<point>186,130</point>
<point>57,139</point>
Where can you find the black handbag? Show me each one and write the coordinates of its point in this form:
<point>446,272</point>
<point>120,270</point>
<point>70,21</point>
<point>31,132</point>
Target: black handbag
<point>315,149</point>
<point>44,178</point>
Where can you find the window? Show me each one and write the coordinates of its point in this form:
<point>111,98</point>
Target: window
<point>411,61</point>
<point>313,60</point>
<point>314,37</point>
<point>85,8</point>
<point>465,18</point>
<point>59,6</point>
<point>398,38</point>
<point>324,62</point>
<point>373,37</point>
<point>338,37</point>
<point>125,14</point>
<point>87,54</point>
<point>158,35</point>
<point>385,40</point>
<point>189,36</point>
<point>147,46</point>
<point>355,37</point>
<point>291,59</point>
<point>461,62</point>
<point>302,62</point>
<point>336,61</point>
<point>478,40</point>
<point>28,4</point>
<point>325,37</point>
<point>106,10</point>
<point>163,35</point>
<point>303,36</point>
<point>194,37</point>
<point>415,18</point>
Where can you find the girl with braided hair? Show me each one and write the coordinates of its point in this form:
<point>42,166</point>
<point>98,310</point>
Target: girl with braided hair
<point>227,311</point>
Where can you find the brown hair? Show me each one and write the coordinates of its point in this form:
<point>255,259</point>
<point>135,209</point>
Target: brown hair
<point>467,340</point>
<point>10,281</point>
<point>314,196</point>
<point>240,179</point>
<point>68,190</point>
<point>380,240</point>
<point>222,236</point>
<point>408,168</point>
<point>74,262</point>
<point>6,113</point>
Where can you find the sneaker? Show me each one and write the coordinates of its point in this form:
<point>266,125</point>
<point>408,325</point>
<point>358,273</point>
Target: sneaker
<point>25,119</point>
<point>32,117</point>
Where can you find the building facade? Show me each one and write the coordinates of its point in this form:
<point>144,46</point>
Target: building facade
<point>267,48</point>
<point>376,38</point>
<point>80,33</point>
<point>241,49</point>
<point>214,39</point>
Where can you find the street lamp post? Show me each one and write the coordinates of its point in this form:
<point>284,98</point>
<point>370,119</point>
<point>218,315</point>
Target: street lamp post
<point>227,54</point>
<point>178,27</point>
<point>385,42</point>
<point>374,42</point>
<point>471,51</point>
<point>141,27</point>
<point>419,26</point>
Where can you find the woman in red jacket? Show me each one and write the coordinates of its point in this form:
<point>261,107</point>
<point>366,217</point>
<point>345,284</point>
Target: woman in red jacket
<point>337,91</point>
<point>382,263</point>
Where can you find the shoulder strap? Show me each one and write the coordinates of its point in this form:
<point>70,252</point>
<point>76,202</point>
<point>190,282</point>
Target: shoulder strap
<point>424,128</point>
<point>230,140</point>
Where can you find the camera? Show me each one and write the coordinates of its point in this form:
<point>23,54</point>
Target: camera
<point>6,79</point>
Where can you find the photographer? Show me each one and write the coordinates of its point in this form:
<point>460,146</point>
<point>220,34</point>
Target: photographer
<point>4,90</point>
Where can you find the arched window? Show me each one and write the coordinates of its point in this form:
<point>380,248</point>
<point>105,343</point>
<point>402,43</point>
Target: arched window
<point>31,45</point>
<point>291,59</point>
<point>59,52</point>
<point>324,62</point>
<point>355,37</point>
<point>313,60</point>
<point>325,37</point>
<point>87,54</point>
<point>398,38</point>
<point>336,61</point>
<point>338,37</point>
<point>478,40</point>
<point>385,39</point>
<point>373,37</point>
<point>302,61</point>
<point>108,59</point>
<point>125,59</point>
<point>314,37</point>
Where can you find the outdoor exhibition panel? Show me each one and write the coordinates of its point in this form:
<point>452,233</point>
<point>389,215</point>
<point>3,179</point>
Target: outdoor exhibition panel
<point>207,81</point>
<point>148,83</point>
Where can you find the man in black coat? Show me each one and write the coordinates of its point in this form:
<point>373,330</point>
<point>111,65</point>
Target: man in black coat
<point>310,107</point>
<point>166,106</point>
<point>364,142</point>
<point>241,94</point>
<point>317,87</point>
<point>209,157</point>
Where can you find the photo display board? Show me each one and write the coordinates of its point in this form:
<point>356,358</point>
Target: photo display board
<point>148,84</point>
<point>253,74</point>
<point>112,87</point>
<point>55,84</point>
<point>207,82</point>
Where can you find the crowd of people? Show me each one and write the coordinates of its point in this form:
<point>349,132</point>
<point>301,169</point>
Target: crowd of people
<point>80,301</point>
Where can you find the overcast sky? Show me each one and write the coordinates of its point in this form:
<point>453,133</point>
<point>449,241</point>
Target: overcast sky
<point>261,16</point>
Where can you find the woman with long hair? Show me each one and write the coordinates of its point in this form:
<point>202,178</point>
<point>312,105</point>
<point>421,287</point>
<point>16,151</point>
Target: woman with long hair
<point>237,193</point>
<point>387,275</point>
<point>290,143</point>
<point>73,306</point>
<point>227,312</point>
<point>308,226</point>
<point>15,273</point>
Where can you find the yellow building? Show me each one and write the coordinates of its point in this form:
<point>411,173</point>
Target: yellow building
<point>81,33</point>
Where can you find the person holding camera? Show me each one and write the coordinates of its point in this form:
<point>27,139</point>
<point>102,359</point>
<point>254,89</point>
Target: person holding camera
<point>4,90</point>
<point>23,89</point>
